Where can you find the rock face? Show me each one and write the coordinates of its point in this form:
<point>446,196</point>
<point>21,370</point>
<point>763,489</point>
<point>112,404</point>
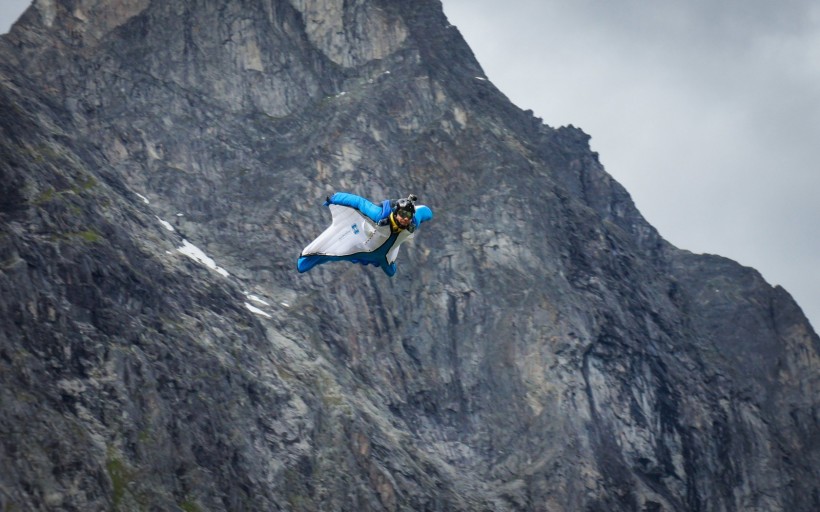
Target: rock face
<point>541,348</point>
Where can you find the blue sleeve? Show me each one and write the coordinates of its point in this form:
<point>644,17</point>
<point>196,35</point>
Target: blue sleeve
<point>375,212</point>
<point>423,213</point>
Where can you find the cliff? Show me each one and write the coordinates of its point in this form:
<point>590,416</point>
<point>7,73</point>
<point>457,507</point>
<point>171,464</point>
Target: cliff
<point>541,347</point>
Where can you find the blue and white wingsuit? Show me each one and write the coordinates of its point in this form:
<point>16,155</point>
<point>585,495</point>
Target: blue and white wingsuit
<point>357,234</point>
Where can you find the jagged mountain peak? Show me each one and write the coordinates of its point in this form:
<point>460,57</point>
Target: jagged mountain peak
<point>541,347</point>
<point>353,34</point>
<point>83,22</point>
<point>272,56</point>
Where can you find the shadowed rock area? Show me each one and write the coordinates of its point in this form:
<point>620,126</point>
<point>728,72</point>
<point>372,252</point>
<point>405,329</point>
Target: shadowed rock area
<point>542,347</point>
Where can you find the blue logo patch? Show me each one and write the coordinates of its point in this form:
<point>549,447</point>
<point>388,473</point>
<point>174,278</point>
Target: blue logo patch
<point>355,228</point>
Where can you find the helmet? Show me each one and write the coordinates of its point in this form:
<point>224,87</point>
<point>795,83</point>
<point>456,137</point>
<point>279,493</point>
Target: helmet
<point>406,205</point>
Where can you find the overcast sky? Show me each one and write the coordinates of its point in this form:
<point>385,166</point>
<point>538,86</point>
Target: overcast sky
<point>707,112</point>
<point>10,10</point>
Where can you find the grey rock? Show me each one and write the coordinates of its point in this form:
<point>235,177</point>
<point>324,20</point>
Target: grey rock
<point>541,348</point>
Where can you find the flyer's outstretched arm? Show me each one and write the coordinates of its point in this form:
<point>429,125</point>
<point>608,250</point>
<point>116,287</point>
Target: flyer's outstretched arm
<point>373,211</point>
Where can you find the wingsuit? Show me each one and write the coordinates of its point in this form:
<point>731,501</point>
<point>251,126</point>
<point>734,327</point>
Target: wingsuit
<point>364,232</point>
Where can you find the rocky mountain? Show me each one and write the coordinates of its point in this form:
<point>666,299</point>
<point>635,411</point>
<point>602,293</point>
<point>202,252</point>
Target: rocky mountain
<point>542,348</point>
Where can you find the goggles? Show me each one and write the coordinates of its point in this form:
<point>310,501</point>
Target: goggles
<point>404,213</point>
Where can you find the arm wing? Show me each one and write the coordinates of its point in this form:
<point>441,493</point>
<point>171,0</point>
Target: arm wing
<point>374,212</point>
<point>423,214</point>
